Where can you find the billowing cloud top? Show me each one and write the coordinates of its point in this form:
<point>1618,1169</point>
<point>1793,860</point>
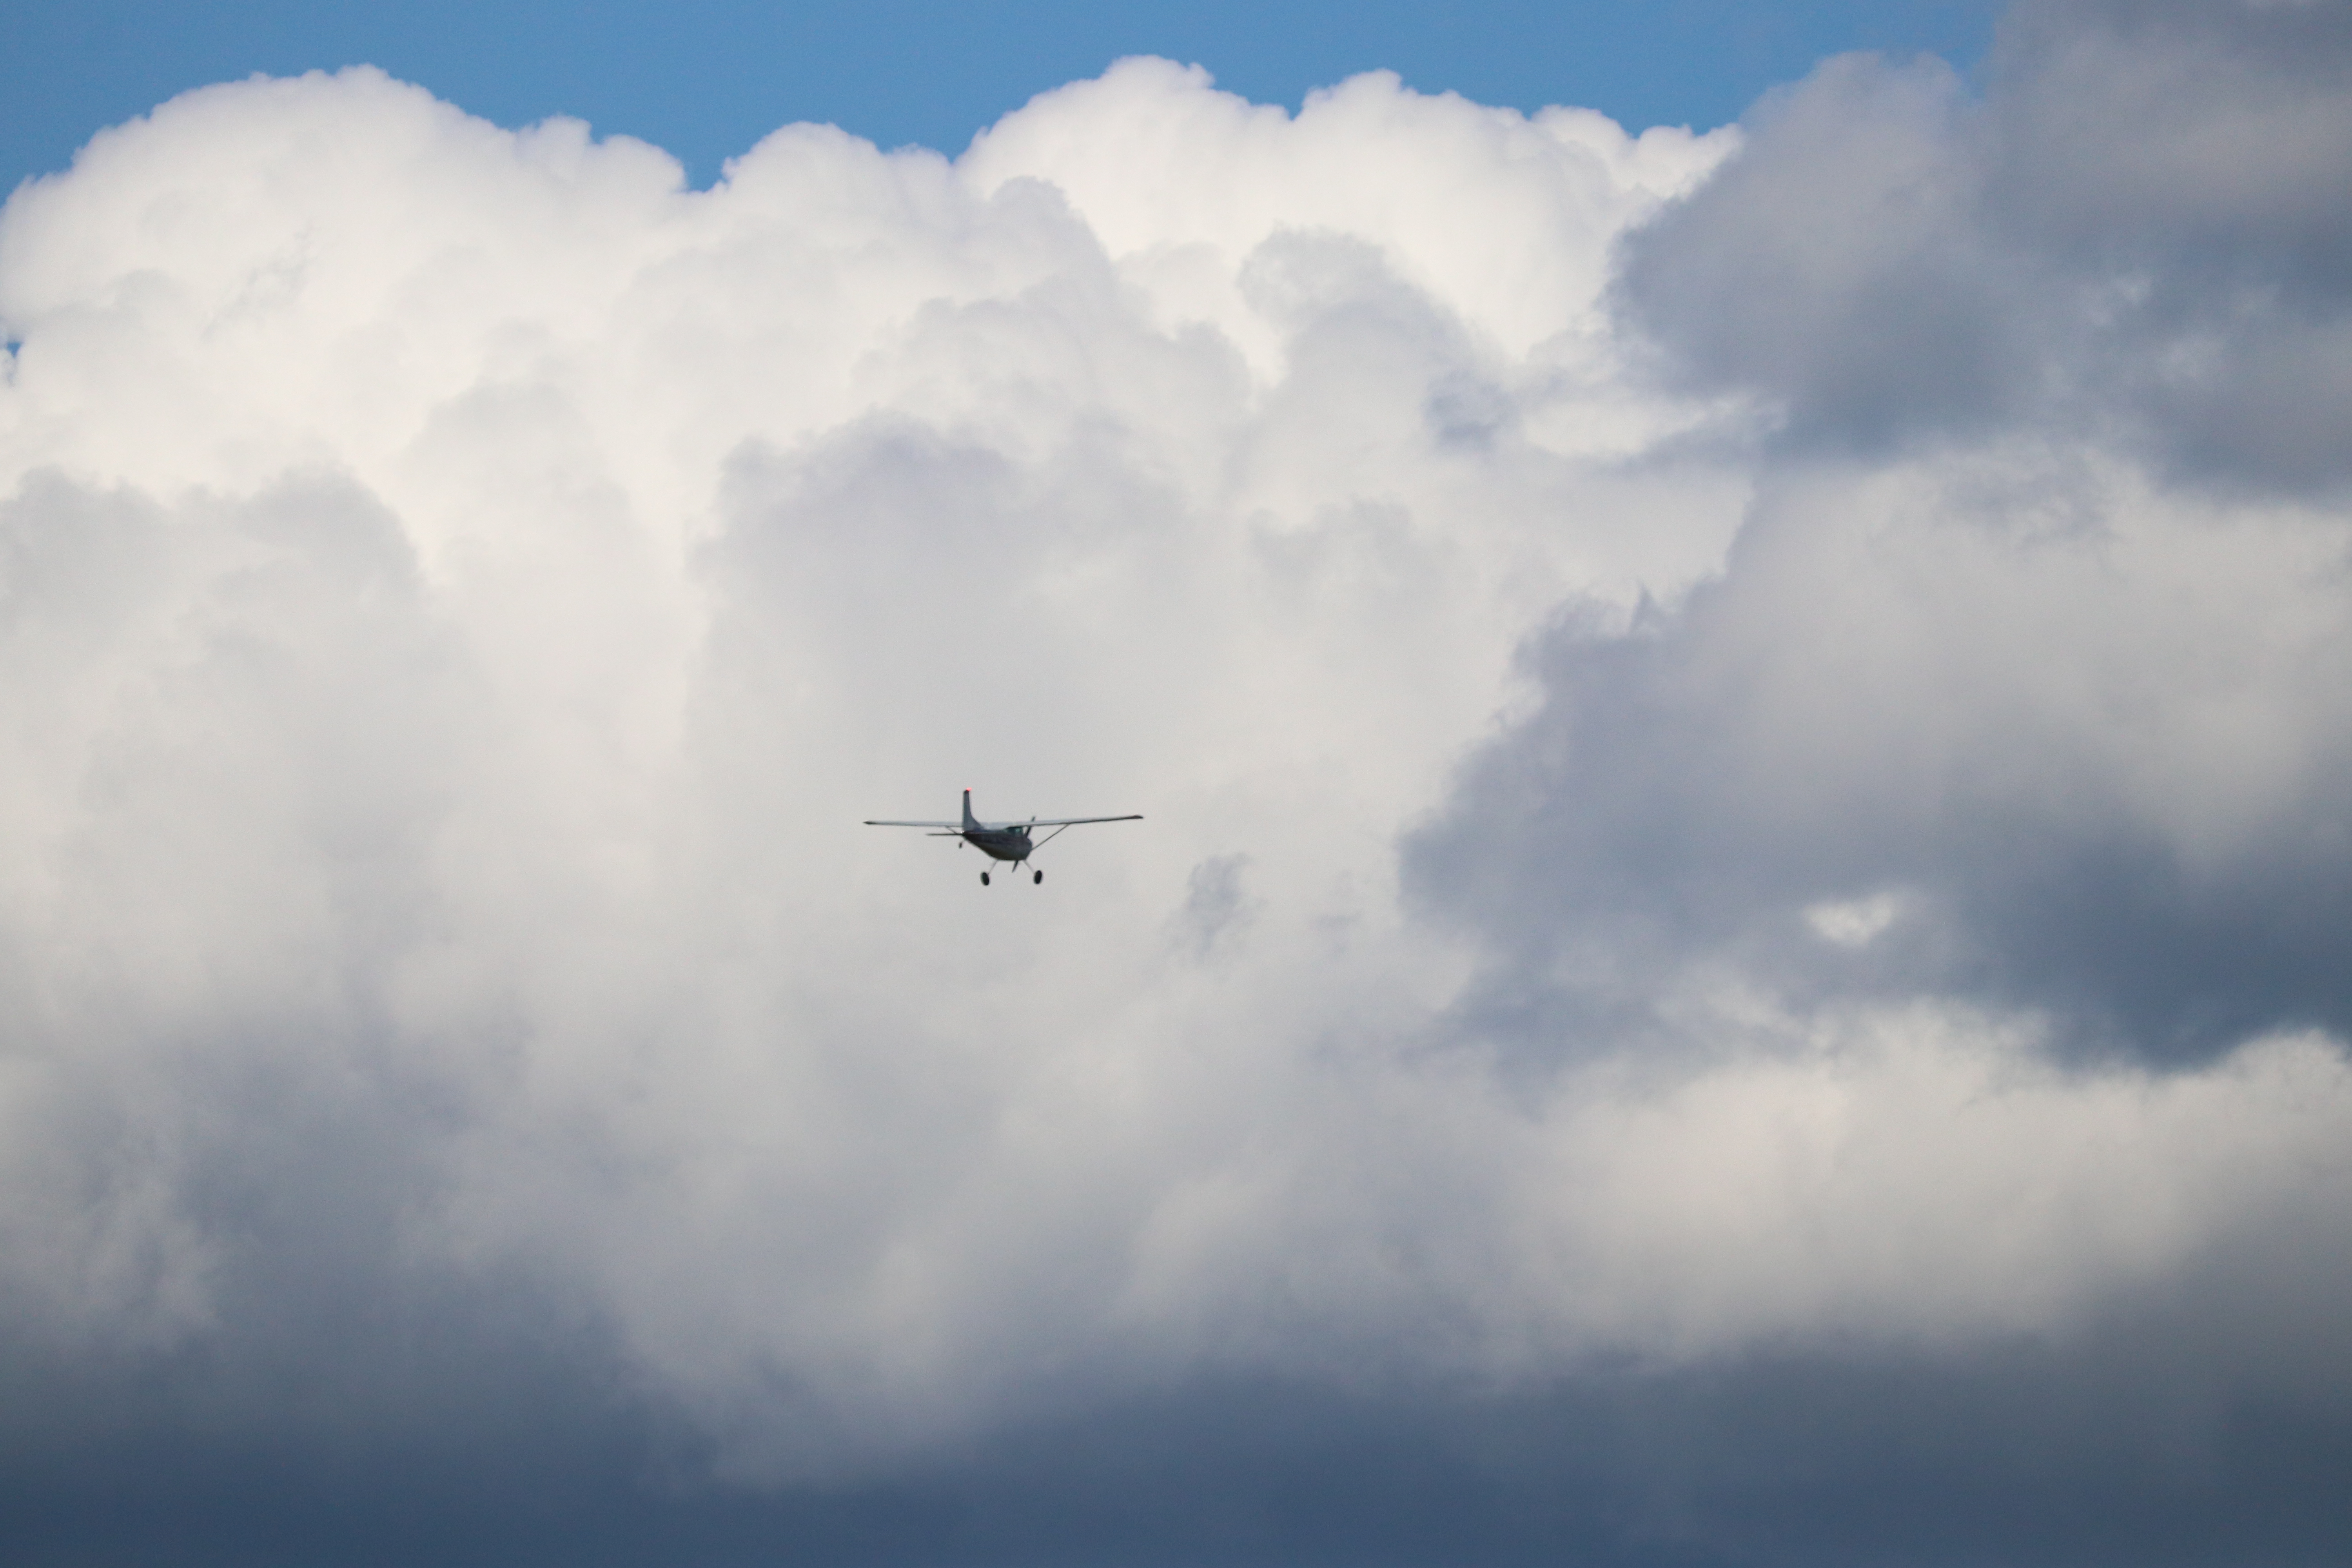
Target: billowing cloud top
<point>1744,741</point>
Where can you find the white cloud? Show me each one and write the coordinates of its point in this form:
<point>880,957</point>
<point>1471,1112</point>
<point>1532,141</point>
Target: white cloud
<point>460,591</point>
<point>1854,923</point>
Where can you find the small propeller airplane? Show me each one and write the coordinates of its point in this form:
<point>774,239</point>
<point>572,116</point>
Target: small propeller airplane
<point>1003,840</point>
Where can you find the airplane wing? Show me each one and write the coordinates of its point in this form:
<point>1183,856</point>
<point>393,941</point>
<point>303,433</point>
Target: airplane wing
<point>873,821</point>
<point>1076,821</point>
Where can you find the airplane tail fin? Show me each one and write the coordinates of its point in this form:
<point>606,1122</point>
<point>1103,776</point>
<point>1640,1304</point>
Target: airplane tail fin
<point>969,821</point>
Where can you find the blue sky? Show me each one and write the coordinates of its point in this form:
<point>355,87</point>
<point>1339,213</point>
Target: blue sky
<point>707,78</point>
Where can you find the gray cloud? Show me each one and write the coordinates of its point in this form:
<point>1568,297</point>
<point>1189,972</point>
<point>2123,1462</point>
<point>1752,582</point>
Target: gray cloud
<point>1836,265</point>
<point>2017,693</point>
<point>1217,906</point>
<point>2094,766</point>
<point>2135,229</point>
<point>2027,644</point>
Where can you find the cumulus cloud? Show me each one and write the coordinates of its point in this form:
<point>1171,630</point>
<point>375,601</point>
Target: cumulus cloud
<point>2016,640</point>
<point>2134,239</point>
<point>1740,760</point>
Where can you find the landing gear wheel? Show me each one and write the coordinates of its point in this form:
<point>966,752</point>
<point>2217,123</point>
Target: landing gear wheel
<point>1036,875</point>
<point>983,879</point>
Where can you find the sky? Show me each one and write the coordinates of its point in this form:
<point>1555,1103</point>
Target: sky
<point>1737,952</point>
<point>706,78</point>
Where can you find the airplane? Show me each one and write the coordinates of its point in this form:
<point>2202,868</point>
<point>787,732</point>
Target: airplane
<point>1003,840</point>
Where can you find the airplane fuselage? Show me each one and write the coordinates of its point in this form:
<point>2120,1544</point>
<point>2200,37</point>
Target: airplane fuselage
<point>1000,843</point>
